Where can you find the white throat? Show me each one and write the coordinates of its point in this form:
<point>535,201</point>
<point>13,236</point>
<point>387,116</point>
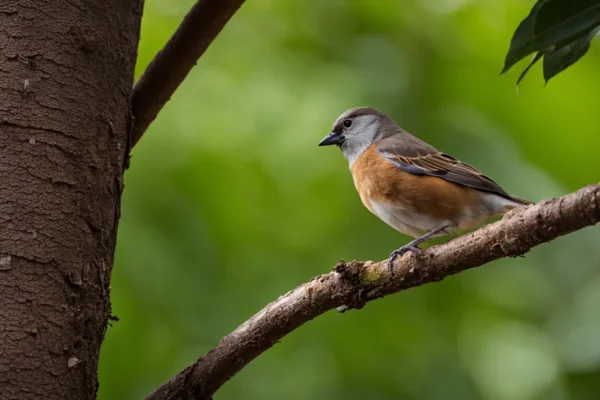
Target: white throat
<point>354,152</point>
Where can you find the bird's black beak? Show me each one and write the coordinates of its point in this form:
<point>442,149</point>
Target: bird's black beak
<point>334,137</point>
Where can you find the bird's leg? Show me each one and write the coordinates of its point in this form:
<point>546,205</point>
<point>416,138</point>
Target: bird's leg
<point>413,246</point>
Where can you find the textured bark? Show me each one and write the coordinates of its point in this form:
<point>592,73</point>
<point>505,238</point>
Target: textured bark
<point>353,284</point>
<point>66,73</point>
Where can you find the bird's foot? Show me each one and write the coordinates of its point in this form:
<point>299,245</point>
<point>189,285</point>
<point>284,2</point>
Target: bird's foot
<point>400,251</point>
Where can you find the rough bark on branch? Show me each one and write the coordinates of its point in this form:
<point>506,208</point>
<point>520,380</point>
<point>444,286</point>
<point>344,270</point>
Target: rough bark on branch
<point>171,65</point>
<point>355,283</point>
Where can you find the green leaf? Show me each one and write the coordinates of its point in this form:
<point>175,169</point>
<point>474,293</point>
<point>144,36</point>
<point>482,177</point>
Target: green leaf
<point>526,70</point>
<point>522,38</point>
<point>552,24</point>
<point>563,57</point>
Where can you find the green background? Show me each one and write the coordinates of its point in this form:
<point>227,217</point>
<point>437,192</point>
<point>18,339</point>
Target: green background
<point>229,203</point>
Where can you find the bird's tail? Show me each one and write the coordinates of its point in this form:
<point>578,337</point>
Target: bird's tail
<point>500,204</point>
<point>520,201</point>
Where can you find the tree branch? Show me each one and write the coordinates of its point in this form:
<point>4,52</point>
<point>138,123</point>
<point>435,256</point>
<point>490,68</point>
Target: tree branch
<point>171,65</point>
<point>355,283</point>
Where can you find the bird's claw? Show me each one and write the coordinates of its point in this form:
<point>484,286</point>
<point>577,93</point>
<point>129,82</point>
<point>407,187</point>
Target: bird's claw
<point>400,251</point>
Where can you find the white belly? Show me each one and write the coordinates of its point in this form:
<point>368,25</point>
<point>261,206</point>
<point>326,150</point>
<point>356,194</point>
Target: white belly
<point>415,224</point>
<point>407,221</point>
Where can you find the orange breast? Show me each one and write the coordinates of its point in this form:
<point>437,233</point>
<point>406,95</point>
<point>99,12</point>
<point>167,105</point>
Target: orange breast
<point>377,179</point>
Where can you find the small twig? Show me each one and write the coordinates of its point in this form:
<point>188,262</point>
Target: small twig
<point>172,64</point>
<point>353,284</point>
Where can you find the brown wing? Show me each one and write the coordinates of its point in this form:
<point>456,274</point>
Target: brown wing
<point>445,167</point>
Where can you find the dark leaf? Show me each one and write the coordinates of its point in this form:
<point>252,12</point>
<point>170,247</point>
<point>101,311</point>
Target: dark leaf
<point>522,38</point>
<point>552,24</point>
<point>563,57</point>
<point>526,70</point>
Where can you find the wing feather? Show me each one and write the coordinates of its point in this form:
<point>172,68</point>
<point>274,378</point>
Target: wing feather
<point>445,167</point>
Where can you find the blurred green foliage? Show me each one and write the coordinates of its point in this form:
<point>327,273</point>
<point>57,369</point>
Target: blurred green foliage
<point>229,203</point>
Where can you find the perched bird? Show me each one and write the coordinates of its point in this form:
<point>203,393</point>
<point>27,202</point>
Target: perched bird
<point>409,184</point>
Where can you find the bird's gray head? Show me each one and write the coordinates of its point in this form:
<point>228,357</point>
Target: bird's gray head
<point>357,129</point>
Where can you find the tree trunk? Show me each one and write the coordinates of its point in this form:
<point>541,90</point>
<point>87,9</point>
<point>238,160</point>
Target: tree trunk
<point>66,73</point>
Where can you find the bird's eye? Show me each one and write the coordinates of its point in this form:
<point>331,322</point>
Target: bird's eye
<point>347,123</point>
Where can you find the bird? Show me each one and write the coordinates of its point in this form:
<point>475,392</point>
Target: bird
<point>409,184</point>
